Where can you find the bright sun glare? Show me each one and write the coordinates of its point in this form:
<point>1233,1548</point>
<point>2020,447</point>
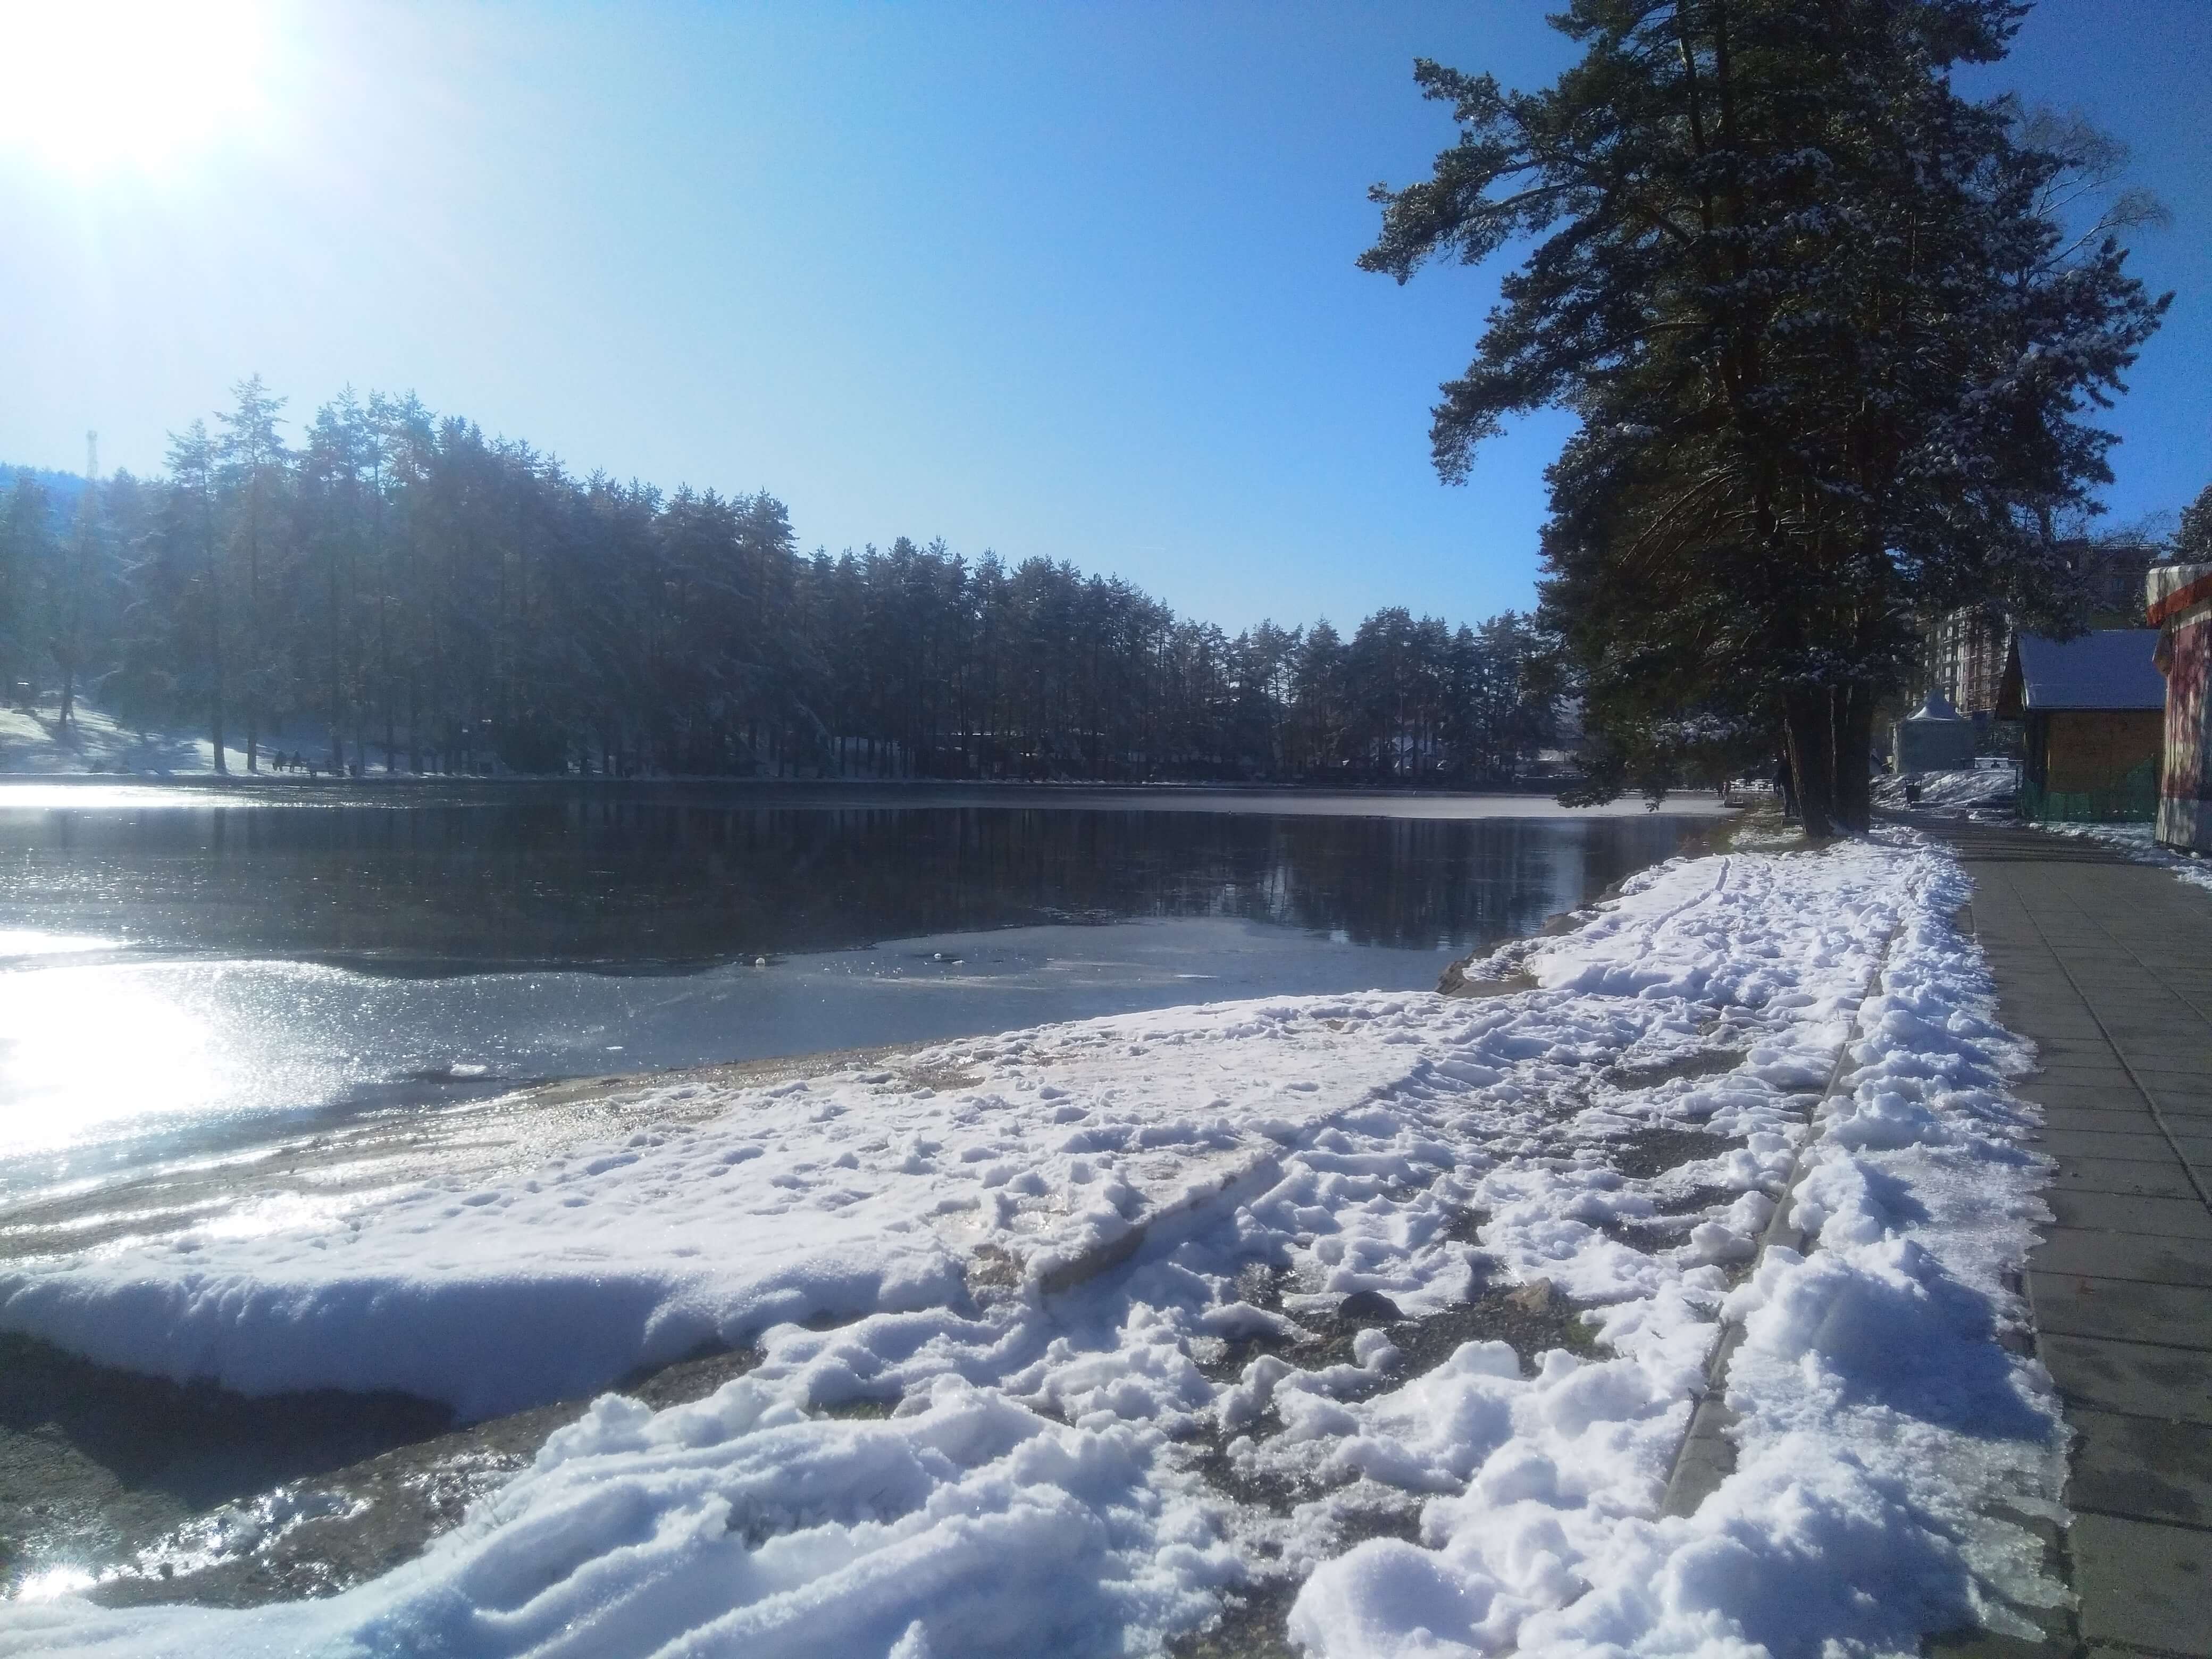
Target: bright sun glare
<point>100,87</point>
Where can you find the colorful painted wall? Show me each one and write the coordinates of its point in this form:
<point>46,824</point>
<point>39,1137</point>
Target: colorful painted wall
<point>2180,606</point>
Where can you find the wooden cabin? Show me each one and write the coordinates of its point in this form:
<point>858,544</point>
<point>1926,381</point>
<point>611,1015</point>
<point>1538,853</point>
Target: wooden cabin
<point>2092,709</point>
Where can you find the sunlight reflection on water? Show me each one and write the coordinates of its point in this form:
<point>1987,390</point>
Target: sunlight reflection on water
<point>191,980</point>
<point>54,1582</point>
<point>23,942</point>
<point>85,1045</point>
<point>93,1052</point>
<point>109,797</point>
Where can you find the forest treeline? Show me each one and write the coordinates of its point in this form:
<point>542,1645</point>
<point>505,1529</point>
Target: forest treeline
<point>422,598</point>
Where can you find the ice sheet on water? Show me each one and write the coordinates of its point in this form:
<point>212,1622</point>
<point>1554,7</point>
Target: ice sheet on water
<point>1096,1368</point>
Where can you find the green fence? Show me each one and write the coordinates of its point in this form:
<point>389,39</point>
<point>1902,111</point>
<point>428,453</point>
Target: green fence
<point>2133,800</point>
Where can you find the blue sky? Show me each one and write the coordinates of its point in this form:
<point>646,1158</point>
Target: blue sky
<point>1074,281</point>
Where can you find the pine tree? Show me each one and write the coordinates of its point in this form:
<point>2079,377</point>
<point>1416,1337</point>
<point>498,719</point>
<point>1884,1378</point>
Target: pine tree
<point>461,600</point>
<point>69,612</point>
<point>251,460</point>
<point>202,617</point>
<point>1829,346</point>
<point>2192,542</point>
<point>26,542</point>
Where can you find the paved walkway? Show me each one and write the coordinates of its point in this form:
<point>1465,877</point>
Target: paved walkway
<point>2107,965</point>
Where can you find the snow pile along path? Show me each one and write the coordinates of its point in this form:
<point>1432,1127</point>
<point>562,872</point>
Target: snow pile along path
<point>1074,1340</point>
<point>1991,786</point>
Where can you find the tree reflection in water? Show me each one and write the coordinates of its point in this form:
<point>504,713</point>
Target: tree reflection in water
<point>676,877</point>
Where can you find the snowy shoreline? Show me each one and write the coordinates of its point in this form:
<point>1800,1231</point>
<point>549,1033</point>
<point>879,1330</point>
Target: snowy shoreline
<point>105,754</point>
<point>1080,1392</point>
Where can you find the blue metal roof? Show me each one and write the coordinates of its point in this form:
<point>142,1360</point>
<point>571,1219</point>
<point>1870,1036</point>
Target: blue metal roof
<point>2109,668</point>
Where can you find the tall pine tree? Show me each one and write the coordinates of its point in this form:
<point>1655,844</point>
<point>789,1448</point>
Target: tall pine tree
<point>1831,349</point>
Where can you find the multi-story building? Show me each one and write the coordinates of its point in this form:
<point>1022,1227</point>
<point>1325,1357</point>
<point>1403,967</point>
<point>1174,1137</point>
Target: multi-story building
<point>1966,654</point>
<point>1967,648</point>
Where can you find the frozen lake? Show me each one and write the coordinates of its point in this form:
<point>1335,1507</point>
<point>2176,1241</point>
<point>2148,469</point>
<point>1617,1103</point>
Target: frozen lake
<point>185,970</point>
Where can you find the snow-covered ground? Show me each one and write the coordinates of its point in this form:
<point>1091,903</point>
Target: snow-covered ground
<point>95,742</point>
<point>1073,1336</point>
<point>1983,787</point>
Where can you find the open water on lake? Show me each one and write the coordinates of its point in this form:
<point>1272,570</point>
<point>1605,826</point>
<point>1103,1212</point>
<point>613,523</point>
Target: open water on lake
<point>184,967</point>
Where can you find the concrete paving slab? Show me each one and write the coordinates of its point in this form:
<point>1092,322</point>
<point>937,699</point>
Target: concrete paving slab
<point>2188,1122</point>
<point>2047,985</point>
<point>2080,1304</point>
<point>2144,1583</point>
<point>2088,1143</point>
<point>2108,1073</point>
<point>2121,1096</point>
<point>2071,1050</point>
<point>2118,993</point>
<point>2127,1001</point>
<point>2165,1035</point>
<point>2142,1378</point>
<point>2116,996</point>
<point>2178,1218</point>
<point>2149,1069</point>
<point>2168,1068</point>
<point>2154,1014</point>
<point>2117,1119</point>
<point>2056,1018</point>
<point>2146,1258</point>
<point>2190,985</point>
<point>2043,989</point>
<point>2144,1468</point>
<point>2115,1093</point>
<point>2141,1176</point>
<point>2079,1079</point>
<point>2192,1098</point>
<point>2124,999</point>
<point>2162,1065</point>
<point>2106,966</point>
<point>2105,1103</point>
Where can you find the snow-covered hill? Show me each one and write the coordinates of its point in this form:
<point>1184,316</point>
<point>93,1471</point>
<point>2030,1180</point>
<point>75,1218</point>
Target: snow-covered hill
<point>95,742</point>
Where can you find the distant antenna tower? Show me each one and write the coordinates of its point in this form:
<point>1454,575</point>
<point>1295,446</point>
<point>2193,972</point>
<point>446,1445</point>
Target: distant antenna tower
<point>92,454</point>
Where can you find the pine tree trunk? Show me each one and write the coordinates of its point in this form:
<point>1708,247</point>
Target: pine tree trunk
<point>1809,725</point>
<point>1855,759</point>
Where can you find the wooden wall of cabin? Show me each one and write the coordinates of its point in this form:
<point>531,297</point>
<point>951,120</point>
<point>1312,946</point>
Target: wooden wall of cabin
<point>2085,750</point>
